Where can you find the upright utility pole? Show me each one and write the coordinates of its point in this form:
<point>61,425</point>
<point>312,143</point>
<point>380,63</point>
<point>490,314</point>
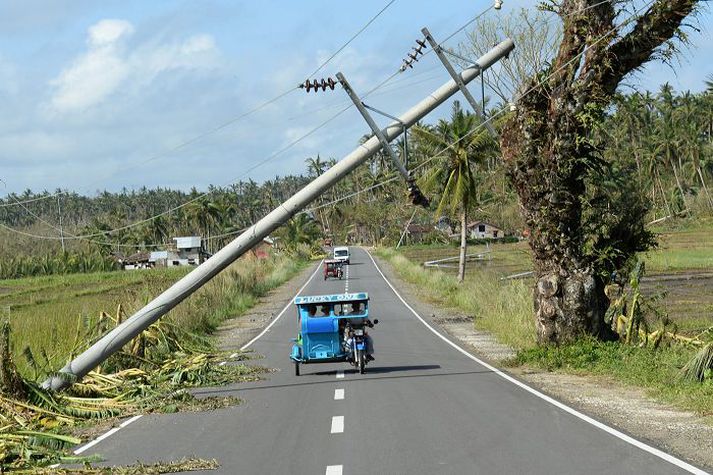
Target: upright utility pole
<point>61,232</point>
<point>133,326</point>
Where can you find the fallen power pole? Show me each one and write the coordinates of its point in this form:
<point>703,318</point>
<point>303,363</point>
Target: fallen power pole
<point>133,326</point>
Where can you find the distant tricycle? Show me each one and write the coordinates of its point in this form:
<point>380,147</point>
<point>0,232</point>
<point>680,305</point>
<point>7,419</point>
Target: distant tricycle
<point>332,328</point>
<point>333,268</point>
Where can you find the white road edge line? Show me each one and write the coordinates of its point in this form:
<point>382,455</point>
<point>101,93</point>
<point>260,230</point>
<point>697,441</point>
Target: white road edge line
<point>600,425</point>
<point>289,304</point>
<point>106,434</point>
<point>339,394</point>
<point>337,425</point>
<point>333,470</point>
<point>340,374</point>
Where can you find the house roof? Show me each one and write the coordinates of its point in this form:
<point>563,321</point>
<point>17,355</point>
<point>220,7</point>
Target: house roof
<point>187,242</point>
<point>137,257</point>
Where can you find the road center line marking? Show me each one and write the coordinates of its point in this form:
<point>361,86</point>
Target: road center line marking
<point>338,394</point>
<point>337,425</point>
<point>333,470</point>
<point>340,374</point>
<point>600,425</point>
<point>289,304</point>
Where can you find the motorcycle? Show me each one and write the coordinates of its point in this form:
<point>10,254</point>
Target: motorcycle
<point>356,343</point>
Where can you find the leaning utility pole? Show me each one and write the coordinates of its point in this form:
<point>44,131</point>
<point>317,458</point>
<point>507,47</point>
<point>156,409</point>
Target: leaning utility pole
<point>132,327</point>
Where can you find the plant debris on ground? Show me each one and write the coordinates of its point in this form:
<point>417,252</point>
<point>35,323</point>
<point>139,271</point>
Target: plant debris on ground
<point>163,363</point>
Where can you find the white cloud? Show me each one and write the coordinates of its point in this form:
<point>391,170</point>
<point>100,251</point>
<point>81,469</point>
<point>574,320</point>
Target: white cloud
<point>109,67</point>
<point>108,32</point>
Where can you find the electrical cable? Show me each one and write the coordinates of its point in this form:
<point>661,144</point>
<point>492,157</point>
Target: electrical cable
<point>489,119</point>
<point>224,124</point>
<point>104,233</point>
<point>351,39</point>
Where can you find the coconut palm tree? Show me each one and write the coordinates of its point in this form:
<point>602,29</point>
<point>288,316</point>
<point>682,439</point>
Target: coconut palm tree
<point>461,150</point>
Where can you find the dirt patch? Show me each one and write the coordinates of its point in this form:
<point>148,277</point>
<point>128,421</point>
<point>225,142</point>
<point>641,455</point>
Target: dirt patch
<point>688,301</point>
<point>682,433</point>
<point>237,331</point>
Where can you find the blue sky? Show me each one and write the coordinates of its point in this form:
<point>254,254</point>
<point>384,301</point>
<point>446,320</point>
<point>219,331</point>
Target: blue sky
<point>95,95</point>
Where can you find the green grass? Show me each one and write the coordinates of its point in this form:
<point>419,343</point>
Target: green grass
<point>655,370</point>
<point>503,308</point>
<point>682,250</point>
<point>48,313</point>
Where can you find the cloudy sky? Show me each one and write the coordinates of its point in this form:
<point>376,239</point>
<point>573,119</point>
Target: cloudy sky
<point>105,95</point>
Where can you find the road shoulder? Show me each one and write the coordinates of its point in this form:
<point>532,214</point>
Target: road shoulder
<point>628,409</point>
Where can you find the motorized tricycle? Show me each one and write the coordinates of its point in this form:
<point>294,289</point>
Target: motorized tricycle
<point>333,268</point>
<point>332,328</point>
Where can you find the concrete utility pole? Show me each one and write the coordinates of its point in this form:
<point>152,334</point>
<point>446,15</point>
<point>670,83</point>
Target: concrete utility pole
<point>132,327</point>
<point>61,232</point>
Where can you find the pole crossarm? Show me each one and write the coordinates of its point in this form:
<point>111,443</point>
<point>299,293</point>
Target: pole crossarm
<point>458,80</point>
<point>115,339</point>
<point>362,108</point>
<point>396,119</point>
<point>415,194</point>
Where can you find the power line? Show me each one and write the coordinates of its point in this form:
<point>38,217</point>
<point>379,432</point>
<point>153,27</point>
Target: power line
<point>492,117</point>
<point>295,142</point>
<point>361,30</point>
<point>222,126</point>
<point>269,158</point>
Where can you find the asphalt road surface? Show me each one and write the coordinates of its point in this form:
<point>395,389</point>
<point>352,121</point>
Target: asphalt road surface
<point>422,408</point>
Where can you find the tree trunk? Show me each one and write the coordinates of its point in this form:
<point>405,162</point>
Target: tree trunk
<point>705,188</point>
<point>678,183</point>
<point>569,305</point>
<point>549,157</point>
<point>463,244</point>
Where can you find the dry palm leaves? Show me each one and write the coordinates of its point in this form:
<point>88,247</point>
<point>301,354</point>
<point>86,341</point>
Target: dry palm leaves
<point>185,465</point>
<point>34,423</point>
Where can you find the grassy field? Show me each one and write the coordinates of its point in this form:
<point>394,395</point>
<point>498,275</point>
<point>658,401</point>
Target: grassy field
<point>683,250</point>
<point>501,307</point>
<point>505,309</point>
<point>49,314</point>
<point>682,253</point>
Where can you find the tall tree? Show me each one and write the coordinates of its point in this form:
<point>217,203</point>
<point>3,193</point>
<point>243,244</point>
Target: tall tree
<point>461,149</point>
<point>556,167</point>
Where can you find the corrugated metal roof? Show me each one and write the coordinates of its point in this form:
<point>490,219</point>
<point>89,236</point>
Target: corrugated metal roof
<point>187,242</point>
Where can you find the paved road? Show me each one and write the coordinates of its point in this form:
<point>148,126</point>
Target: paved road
<point>422,408</point>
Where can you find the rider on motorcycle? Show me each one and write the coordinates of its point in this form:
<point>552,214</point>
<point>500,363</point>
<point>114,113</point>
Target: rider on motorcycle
<point>356,310</point>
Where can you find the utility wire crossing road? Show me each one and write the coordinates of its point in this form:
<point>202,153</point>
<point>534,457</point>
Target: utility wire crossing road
<point>425,406</point>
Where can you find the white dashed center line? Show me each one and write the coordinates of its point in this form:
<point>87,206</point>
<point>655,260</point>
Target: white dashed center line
<point>346,284</point>
<point>340,374</point>
<point>338,394</point>
<point>337,424</point>
<point>333,470</point>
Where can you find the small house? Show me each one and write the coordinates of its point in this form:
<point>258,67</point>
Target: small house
<point>163,258</point>
<point>189,251</point>
<point>139,260</point>
<point>484,230</point>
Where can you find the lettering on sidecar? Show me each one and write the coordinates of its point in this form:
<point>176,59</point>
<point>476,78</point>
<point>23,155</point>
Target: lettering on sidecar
<point>331,298</point>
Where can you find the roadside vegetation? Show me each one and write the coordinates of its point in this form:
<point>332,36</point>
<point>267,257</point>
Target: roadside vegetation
<point>52,318</point>
<point>668,348</point>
